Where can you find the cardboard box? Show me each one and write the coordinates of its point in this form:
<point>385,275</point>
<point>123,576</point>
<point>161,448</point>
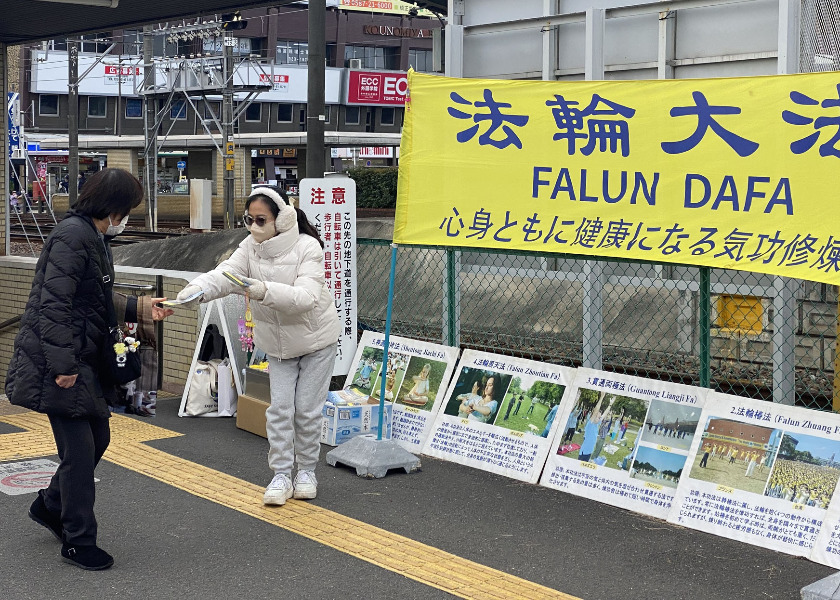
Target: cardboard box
<point>346,415</point>
<point>257,384</point>
<point>250,415</point>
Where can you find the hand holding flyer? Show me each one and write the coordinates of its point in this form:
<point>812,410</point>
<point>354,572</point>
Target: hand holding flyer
<point>236,279</point>
<point>183,301</point>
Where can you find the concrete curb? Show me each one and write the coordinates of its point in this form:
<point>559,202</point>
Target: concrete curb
<point>824,589</point>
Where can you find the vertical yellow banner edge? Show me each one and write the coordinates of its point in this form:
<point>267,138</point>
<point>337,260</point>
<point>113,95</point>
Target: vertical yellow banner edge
<point>403,188</point>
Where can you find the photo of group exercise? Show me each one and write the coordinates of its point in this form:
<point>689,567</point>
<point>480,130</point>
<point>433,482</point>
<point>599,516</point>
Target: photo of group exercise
<point>530,405</point>
<point>421,382</point>
<point>477,394</point>
<point>656,466</point>
<point>735,454</point>
<point>367,369</point>
<point>603,428</point>
<point>671,425</point>
<point>394,376</point>
<point>806,470</point>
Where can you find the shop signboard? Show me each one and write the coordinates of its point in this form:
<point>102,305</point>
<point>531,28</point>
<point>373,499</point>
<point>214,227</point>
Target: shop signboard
<point>376,88</point>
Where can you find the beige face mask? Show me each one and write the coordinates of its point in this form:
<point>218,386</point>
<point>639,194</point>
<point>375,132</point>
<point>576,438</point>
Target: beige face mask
<point>262,233</point>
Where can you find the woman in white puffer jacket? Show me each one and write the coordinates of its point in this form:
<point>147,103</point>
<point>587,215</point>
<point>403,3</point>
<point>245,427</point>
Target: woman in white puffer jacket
<point>295,324</point>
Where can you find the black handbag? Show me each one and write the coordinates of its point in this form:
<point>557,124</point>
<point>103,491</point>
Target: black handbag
<point>120,359</point>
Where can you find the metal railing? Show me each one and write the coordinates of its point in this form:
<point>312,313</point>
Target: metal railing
<point>696,325</point>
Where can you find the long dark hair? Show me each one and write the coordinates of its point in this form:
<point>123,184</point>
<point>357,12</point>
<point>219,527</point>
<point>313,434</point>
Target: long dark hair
<point>109,191</point>
<point>304,226</point>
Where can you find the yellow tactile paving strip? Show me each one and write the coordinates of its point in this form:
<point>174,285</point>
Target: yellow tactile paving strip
<point>420,562</point>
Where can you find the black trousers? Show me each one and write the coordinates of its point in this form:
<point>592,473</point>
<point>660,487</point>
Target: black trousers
<point>81,443</point>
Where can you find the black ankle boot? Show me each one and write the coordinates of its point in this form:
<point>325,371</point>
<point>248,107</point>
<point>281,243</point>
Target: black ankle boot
<point>39,513</point>
<point>89,558</point>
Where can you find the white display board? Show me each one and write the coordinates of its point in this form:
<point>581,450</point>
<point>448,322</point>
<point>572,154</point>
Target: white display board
<point>624,440</point>
<point>330,205</point>
<point>764,474</point>
<point>497,414</point>
<point>417,376</point>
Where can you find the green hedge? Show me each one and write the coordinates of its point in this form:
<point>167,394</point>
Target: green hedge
<point>376,187</point>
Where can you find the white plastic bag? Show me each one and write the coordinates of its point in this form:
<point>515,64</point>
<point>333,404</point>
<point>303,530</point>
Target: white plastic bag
<point>227,389</point>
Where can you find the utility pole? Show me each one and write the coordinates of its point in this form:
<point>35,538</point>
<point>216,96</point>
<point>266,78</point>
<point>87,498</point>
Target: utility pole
<point>149,124</point>
<point>72,126</point>
<point>227,126</point>
<point>315,153</point>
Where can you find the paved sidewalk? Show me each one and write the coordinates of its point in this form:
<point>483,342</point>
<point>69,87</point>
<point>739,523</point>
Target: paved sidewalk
<point>179,507</point>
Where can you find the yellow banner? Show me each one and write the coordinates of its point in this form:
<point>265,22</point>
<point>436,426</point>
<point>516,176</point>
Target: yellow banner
<point>738,173</point>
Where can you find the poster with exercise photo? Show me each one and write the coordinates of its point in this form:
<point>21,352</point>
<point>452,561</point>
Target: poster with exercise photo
<point>764,474</point>
<point>416,377</point>
<point>624,440</point>
<point>499,414</point>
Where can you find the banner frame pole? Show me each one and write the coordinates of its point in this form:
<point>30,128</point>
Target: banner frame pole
<point>383,374</point>
<point>705,326</point>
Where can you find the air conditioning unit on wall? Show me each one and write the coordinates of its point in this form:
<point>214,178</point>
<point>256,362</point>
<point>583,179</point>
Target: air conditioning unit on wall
<point>355,63</point>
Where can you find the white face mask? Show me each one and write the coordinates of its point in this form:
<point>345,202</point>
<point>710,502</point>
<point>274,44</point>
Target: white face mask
<point>116,229</point>
<point>262,233</point>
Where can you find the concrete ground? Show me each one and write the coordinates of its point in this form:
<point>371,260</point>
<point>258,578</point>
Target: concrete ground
<point>178,504</point>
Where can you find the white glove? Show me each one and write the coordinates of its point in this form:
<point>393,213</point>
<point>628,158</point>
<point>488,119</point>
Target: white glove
<point>256,289</point>
<point>188,291</point>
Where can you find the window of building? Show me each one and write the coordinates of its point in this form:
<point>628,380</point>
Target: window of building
<point>253,112</point>
<point>133,108</point>
<point>327,111</point>
<point>57,44</point>
<point>292,53</point>
<point>132,40</point>
<point>178,110</point>
<point>48,105</point>
<point>212,109</point>
<point>421,60</point>
<point>373,57</point>
<point>351,115</point>
<point>386,117</point>
<point>95,43</point>
<point>97,106</point>
<point>284,113</point>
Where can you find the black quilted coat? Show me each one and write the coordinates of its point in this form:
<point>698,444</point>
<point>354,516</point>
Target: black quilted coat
<point>64,325</point>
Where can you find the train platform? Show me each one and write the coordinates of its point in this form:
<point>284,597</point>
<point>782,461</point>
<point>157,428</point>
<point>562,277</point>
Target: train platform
<point>179,506</point>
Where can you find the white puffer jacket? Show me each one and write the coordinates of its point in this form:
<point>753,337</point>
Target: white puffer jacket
<point>297,315</point>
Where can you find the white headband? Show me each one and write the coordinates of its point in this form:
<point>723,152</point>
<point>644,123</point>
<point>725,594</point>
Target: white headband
<point>265,191</point>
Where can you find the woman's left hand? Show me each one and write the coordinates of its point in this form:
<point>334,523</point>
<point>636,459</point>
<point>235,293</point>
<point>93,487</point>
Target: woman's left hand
<point>158,312</point>
<point>256,289</point>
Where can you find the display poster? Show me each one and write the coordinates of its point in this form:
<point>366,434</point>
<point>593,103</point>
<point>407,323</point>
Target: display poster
<point>330,205</point>
<point>499,414</point>
<point>416,379</point>
<point>624,440</point>
<point>761,473</point>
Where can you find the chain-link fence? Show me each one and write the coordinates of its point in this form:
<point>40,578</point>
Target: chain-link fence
<point>676,323</point>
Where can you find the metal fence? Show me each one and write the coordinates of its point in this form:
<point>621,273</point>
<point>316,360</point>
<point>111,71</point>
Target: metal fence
<point>700,326</point>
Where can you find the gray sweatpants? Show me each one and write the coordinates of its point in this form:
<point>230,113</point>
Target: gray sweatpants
<point>299,388</point>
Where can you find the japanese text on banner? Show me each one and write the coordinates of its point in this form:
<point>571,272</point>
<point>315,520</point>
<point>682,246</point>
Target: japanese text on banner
<point>732,173</point>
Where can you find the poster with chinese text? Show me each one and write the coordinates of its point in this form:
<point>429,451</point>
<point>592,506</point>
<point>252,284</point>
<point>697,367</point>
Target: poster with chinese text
<point>623,440</point>
<point>330,205</point>
<point>416,378</point>
<point>761,473</point>
<point>498,414</point>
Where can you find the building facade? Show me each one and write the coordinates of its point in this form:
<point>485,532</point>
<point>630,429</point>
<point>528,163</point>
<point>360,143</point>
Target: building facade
<point>361,47</point>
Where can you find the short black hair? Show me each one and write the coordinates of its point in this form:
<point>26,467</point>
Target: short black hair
<point>109,192</point>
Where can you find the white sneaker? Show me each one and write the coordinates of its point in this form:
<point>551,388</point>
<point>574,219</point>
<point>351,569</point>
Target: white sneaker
<point>306,486</point>
<point>278,491</point>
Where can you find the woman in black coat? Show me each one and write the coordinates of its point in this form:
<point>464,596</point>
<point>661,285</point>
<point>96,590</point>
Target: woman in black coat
<point>56,363</point>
